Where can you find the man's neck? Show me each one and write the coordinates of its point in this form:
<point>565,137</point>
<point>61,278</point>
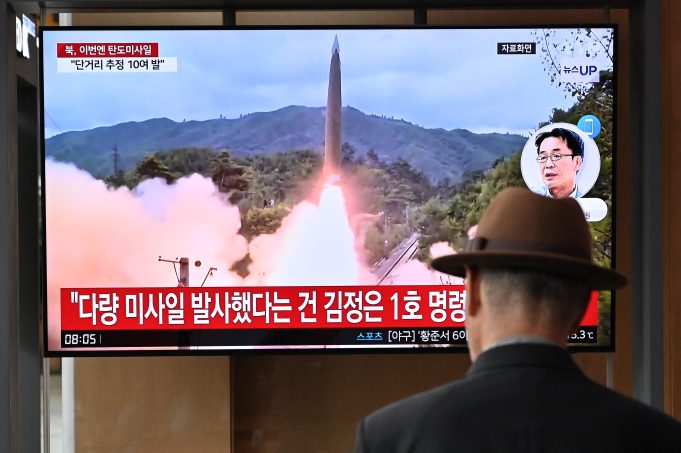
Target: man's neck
<point>520,339</point>
<point>520,324</point>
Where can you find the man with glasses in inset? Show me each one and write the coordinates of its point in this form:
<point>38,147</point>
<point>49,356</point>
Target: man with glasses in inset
<point>560,154</point>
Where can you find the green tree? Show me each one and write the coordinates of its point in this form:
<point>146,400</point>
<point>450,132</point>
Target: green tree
<point>372,158</point>
<point>115,181</point>
<point>186,161</point>
<point>228,177</point>
<point>431,223</point>
<point>374,245</point>
<point>588,42</point>
<point>259,221</point>
<point>152,167</point>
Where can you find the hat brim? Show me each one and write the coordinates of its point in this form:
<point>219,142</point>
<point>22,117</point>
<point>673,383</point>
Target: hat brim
<point>597,277</point>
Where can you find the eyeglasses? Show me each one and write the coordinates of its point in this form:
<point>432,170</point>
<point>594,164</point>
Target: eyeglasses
<point>553,157</point>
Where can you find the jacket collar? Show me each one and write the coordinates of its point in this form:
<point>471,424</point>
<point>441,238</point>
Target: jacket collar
<point>524,355</point>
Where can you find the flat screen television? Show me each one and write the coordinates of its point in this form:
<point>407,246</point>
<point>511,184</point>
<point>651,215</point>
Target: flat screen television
<point>221,190</point>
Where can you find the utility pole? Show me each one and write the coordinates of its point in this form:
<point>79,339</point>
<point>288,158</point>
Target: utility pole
<point>115,160</point>
<point>183,277</point>
<point>184,272</point>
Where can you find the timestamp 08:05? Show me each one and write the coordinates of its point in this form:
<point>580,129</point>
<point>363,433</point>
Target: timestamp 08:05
<point>80,339</point>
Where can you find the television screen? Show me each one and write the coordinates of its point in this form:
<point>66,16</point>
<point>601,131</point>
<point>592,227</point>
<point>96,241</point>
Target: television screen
<point>245,189</point>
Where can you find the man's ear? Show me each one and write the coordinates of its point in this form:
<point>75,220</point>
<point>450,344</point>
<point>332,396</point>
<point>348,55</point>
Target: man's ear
<point>580,161</point>
<point>472,291</point>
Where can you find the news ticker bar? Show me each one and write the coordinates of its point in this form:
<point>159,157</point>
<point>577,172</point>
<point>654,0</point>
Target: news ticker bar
<point>259,337</point>
<point>274,338</point>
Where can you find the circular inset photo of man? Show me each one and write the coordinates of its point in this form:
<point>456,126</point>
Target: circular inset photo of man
<point>560,160</point>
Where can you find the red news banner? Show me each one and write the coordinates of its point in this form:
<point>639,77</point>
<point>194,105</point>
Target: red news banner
<point>288,307</point>
<point>110,50</point>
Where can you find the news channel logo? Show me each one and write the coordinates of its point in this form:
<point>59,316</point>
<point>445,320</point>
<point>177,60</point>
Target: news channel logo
<point>579,70</point>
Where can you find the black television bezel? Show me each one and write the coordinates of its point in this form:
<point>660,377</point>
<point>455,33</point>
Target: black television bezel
<point>456,349</point>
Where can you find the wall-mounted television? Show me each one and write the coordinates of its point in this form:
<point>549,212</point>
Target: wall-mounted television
<point>222,190</point>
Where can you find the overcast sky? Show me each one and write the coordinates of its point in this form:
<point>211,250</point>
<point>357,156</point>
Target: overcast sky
<point>435,78</point>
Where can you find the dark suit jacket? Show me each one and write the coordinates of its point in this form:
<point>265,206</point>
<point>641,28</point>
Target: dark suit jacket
<point>519,398</point>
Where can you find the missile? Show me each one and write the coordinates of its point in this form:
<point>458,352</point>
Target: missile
<point>332,130</point>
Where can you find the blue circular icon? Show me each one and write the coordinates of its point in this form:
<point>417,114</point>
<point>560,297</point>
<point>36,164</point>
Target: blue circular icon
<point>590,125</point>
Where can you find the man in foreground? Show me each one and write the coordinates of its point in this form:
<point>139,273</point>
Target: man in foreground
<point>529,275</point>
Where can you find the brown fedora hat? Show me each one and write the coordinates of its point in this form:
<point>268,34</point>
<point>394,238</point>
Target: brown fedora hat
<point>520,229</point>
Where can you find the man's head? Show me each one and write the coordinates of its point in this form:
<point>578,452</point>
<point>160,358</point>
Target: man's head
<point>528,269</point>
<point>560,153</point>
<point>503,302</point>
